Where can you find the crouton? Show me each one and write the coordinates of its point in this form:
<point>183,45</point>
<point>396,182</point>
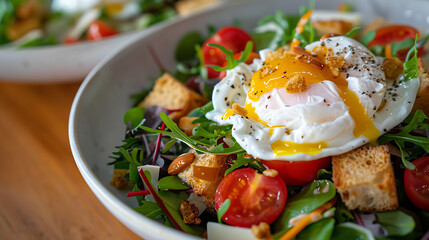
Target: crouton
<point>118,179</point>
<point>186,125</point>
<point>171,94</point>
<point>422,99</point>
<point>364,178</point>
<point>340,27</point>
<point>189,213</point>
<point>296,84</point>
<point>204,175</point>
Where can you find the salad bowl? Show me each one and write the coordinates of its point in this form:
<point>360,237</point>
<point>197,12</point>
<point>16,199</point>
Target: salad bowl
<point>96,125</point>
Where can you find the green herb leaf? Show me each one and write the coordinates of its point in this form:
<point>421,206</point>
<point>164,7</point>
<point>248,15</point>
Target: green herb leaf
<point>320,230</point>
<point>405,44</point>
<point>409,143</point>
<point>185,49</point>
<point>203,69</point>
<point>222,209</point>
<point>135,116</point>
<point>396,222</point>
<point>133,173</point>
<point>324,174</point>
<point>126,154</point>
<point>367,38</point>
<point>351,231</point>
<point>232,62</point>
<point>352,32</point>
<point>410,65</point>
<point>342,214</point>
<point>247,162</point>
<point>311,197</point>
<point>176,133</point>
<point>150,209</point>
<point>172,183</point>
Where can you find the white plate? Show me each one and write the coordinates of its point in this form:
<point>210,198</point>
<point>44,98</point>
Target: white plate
<point>96,126</point>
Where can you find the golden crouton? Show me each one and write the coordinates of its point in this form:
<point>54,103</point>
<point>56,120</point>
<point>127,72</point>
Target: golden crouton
<point>364,178</point>
<point>204,175</point>
<point>189,213</point>
<point>171,94</point>
<point>118,179</point>
<point>340,27</point>
<point>186,125</point>
<point>422,100</point>
<point>296,84</point>
<point>262,231</point>
<point>335,63</point>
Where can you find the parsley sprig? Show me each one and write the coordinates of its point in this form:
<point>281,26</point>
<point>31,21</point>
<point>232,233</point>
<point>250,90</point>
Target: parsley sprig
<point>409,143</point>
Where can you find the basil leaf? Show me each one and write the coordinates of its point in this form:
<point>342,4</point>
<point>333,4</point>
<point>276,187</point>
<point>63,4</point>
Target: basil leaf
<point>150,209</point>
<point>311,197</point>
<point>397,223</point>
<point>320,230</point>
<point>367,38</point>
<point>135,116</point>
<point>222,209</point>
<point>352,32</point>
<point>172,183</point>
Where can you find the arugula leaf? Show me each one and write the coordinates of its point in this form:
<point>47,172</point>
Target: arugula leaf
<point>367,38</point>
<point>222,209</point>
<point>232,62</point>
<point>352,32</point>
<point>131,158</point>
<point>248,162</point>
<point>405,141</point>
<point>307,36</point>
<point>172,183</point>
<point>410,65</point>
<point>176,133</point>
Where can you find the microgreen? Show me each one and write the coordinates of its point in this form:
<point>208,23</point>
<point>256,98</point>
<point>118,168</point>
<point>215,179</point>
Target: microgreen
<point>176,133</point>
<point>352,32</point>
<point>367,38</point>
<point>232,62</point>
<point>222,209</point>
<point>409,144</point>
<point>410,64</point>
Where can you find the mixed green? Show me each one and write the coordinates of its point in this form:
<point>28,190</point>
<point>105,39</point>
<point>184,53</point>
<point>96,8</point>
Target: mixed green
<point>154,139</point>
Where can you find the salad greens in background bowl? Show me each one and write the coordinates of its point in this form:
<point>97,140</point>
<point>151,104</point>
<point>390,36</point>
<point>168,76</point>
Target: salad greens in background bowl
<point>60,40</point>
<point>97,127</point>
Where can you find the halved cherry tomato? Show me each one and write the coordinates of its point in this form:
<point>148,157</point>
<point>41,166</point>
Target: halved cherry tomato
<point>395,33</point>
<point>232,38</point>
<point>98,30</point>
<point>254,197</point>
<point>298,173</point>
<point>416,183</point>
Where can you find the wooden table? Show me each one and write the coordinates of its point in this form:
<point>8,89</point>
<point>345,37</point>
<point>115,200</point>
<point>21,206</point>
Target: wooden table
<point>42,194</point>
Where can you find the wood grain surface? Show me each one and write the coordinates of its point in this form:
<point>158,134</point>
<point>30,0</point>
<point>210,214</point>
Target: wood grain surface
<point>42,194</point>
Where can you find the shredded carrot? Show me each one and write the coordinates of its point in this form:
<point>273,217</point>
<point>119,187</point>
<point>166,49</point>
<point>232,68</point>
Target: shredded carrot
<point>307,220</point>
<point>388,51</point>
<point>300,28</point>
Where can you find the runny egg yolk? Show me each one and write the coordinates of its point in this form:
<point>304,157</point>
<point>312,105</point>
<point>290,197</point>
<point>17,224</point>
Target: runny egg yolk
<point>277,72</point>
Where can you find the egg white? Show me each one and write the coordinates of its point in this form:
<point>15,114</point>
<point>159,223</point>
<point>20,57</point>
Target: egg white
<point>315,121</point>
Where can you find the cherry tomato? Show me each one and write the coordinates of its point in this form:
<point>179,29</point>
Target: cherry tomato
<point>232,38</point>
<point>298,173</point>
<point>254,197</point>
<point>395,33</point>
<point>98,30</point>
<point>69,40</point>
<point>416,183</point>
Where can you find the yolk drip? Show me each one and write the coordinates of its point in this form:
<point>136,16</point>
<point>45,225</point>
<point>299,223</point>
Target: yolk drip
<point>283,148</point>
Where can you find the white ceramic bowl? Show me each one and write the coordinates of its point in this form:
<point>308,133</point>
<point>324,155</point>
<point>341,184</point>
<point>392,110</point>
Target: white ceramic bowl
<point>96,126</point>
